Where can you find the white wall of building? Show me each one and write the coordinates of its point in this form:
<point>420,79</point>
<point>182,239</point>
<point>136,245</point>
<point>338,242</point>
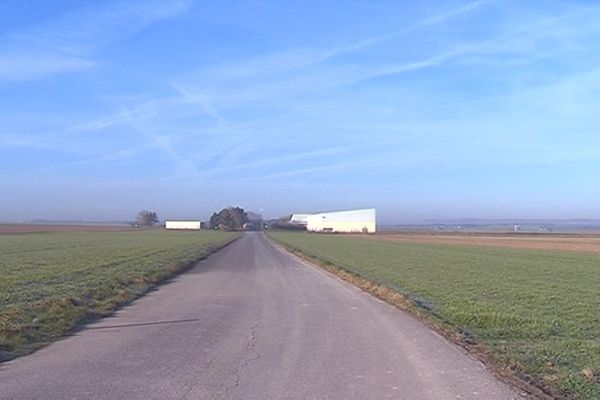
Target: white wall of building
<point>191,225</point>
<point>339,221</point>
<point>300,218</point>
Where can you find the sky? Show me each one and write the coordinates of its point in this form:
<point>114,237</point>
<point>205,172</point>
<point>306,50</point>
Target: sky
<point>421,109</point>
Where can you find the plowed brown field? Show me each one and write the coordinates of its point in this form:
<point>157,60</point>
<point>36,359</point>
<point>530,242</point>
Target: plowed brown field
<point>39,228</point>
<point>586,243</point>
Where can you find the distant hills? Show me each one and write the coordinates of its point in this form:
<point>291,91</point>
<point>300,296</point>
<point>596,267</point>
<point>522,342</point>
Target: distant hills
<point>578,225</point>
<point>481,221</point>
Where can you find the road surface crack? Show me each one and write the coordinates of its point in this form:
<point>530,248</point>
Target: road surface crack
<point>247,360</point>
<point>190,386</point>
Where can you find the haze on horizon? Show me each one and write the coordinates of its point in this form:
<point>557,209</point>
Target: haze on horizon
<point>423,109</point>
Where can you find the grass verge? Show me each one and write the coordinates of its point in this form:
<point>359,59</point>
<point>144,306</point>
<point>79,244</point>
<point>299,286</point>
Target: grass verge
<point>532,316</point>
<point>54,282</point>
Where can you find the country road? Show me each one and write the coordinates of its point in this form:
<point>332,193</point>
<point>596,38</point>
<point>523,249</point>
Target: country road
<point>253,322</point>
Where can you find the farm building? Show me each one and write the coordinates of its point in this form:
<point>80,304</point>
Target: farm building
<point>338,221</point>
<point>187,225</point>
<point>300,219</point>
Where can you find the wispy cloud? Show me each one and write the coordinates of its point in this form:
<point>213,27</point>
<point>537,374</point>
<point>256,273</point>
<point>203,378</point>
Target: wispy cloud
<point>445,16</point>
<point>162,142</point>
<point>277,162</point>
<point>69,42</point>
<point>299,58</point>
<point>201,98</point>
<point>370,105</point>
<point>17,67</point>
<point>11,140</point>
<point>282,76</point>
<point>292,88</point>
<point>140,112</point>
<point>305,171</point>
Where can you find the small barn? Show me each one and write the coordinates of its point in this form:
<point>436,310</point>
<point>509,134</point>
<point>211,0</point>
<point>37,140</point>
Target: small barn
<point>183,225</point>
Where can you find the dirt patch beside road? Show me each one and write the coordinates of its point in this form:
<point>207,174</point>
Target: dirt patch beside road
<point>585,243</point>
<point>39,228</point>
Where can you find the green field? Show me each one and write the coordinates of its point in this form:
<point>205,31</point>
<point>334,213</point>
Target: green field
<point>536,311</point>
<point>51,282</point>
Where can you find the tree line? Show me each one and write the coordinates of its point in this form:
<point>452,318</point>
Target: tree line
<point>228,219</point>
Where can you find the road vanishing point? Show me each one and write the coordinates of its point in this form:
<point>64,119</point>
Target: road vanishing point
<point>253,322</point>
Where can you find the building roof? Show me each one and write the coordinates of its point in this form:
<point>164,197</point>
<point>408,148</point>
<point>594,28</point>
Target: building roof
<point>365,214</point>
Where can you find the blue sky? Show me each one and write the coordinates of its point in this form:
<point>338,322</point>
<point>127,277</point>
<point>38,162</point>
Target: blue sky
<point>422,109</point>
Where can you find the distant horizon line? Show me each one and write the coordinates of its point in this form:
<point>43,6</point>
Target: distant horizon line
<point>425,222</point>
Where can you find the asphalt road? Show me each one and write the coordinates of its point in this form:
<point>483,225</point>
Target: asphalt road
<point>253,322</point>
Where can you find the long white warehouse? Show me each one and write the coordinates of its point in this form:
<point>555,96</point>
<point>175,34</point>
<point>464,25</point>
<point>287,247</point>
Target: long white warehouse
<point>188,225</point>
<point>338,221</point>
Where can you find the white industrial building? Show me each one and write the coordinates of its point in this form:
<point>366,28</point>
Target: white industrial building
<point>338,221</point>
<point>300,219</point>
<point>185,225</point>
